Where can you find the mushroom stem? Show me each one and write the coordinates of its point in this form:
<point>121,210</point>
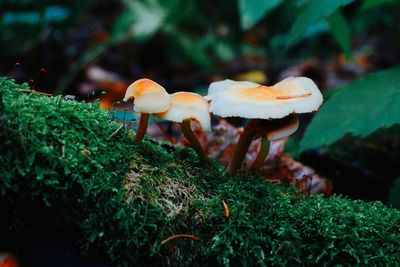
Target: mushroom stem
<point>141,131</point>
<point>193,141</point>
<point>262,154</point>
<point>242,146</point>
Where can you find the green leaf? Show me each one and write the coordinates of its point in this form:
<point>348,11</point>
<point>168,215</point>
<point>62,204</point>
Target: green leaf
<point>340,30</point>
<point>312,13</point>
<point>252,11</point>
<point>394,194</point>
<point>359,109</point>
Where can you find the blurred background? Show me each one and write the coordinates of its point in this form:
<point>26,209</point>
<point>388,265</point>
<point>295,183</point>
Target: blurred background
<point>351,49</point>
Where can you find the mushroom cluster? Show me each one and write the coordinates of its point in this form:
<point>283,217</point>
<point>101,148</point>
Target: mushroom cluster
<point>271,110</point>
<point>181,107</point>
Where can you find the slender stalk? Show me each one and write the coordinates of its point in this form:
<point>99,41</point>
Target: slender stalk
<point>179,236</point>
<point>193,141</point>
<point>144,118</point>
<point>262,154</point>
<point>252,129</point>
<point>242,146</point>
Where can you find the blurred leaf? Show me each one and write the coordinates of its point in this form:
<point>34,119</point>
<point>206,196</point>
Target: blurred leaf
<point>359,109</point>
<point>224,50</point>
<point>78,65</point>
<point>312,13</point>
<point>315,29</point>
<point>56,13</point>
<point>340,30</point>
<point>22,23</point>
<point>148,18</point>
<point>140,19</point>
<point>193,48</point>
<point>255,76</point>
<point>121,27</point>
<point>394,194</point>
<point>252,11</point>
<point>368,4</point>
<point>36,17</point>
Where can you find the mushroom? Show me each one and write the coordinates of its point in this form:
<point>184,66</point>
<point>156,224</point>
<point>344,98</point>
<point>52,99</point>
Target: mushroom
<point>266,107</point>
<point>185,107</point>
<point>149,98</point>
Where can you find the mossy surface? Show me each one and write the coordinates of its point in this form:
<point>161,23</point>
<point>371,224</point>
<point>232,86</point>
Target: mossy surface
<point>68,169</point>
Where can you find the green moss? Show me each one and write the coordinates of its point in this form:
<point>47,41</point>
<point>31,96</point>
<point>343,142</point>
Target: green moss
<point>67,170</point>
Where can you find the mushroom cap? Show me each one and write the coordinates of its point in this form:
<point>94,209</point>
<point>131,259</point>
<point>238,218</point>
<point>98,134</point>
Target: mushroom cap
<point>150,97</point>
<point>251,100</point>
<point>184,105</point>
<point>286,128</point>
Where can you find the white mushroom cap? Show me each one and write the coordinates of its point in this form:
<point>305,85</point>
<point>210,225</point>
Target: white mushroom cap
<point>150,97</point>
<point>284,131</point>
<point>251,100</point>
<point>185,105</point>
<point>220,87</point>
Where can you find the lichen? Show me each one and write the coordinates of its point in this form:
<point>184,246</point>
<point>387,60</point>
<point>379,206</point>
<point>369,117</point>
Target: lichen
<point>173,192</point>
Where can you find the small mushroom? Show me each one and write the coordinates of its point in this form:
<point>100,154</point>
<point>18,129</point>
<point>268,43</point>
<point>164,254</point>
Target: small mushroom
<point>149,98</point>
<point>185,107</point>
<point>266,107</point>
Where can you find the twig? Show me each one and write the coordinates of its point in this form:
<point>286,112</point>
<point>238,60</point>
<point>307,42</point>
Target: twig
<point>179,236</point>
<point>32,91</point>
<point>226,209</point>
<point>116,131</point>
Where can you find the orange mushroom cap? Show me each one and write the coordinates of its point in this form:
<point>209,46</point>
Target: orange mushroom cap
<point>185,105</point>
<point>150,97</point>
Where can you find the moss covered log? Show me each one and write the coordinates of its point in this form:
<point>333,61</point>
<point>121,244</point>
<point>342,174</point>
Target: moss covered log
<point>67,170</point>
